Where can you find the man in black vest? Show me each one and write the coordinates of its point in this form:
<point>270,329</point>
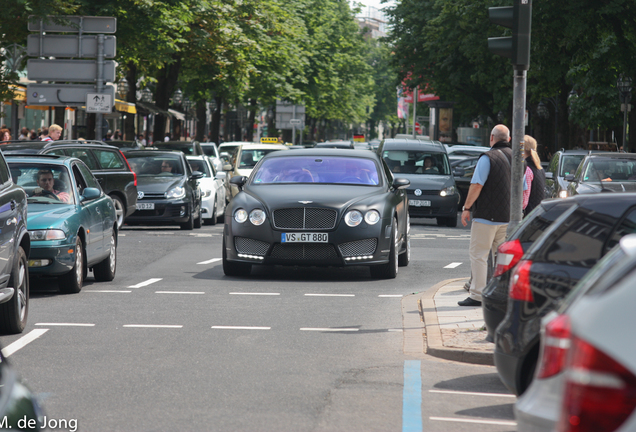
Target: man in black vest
<point>488,200</point>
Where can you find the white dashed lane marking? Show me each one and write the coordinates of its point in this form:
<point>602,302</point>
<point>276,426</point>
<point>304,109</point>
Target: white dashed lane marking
<point>179,292</point>
<point>453,392</point>
<point>255,293</point>
<point>240,328</point>
<point>210,261</point>
<point>107,291</point>
<point>151,326</point>
<point>329,329</point>
<point>23,341</point>
<point>330,295</point>
<point>453,265</point>
<point>487,422</point>
<point>65,324</point>
<point>146,283</point>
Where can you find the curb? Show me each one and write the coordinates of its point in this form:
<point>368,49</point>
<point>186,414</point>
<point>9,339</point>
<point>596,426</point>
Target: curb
<point>434,345</point>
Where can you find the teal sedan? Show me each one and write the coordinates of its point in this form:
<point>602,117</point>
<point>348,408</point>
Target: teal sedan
<point>71,221</point>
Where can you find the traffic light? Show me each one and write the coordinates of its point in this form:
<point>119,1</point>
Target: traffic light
<point>519,19</point>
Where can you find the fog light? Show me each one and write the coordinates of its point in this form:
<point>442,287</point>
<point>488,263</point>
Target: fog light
<point>39,263</point>
<point>182,212</point>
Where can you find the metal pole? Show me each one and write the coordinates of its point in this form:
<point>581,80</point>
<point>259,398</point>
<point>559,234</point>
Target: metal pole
<point>626,104</point>
<point>414,109</point>
<point>99,133</point>
<point>518,115</point>
<point>556,124</point>
<point>293,125</point>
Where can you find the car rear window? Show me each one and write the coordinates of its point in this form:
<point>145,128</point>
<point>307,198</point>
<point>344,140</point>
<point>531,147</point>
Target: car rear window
<point>539,220</point>
<point>318,169</point>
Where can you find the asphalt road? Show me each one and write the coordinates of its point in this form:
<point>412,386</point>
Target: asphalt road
<point>173,344</point>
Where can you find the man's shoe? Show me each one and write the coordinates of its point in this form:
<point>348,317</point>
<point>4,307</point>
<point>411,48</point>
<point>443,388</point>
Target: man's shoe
<point>469,302</point>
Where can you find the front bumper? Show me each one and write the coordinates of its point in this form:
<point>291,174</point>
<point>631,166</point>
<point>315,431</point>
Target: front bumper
<point>61,257</point>
<point>439,206</point>
<point>362,245</point>
<point>165,211</point>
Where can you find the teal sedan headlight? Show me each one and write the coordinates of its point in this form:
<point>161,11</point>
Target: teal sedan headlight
<point>176,192</point>
<point>50,234</point>
<point>447,191</point>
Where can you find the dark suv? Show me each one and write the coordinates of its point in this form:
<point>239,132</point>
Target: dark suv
<point>547,272</point>
<point>432,193</point>
<point>15,245</point>
<point>604,172</point>
<point>564,162</point>
<point>106,162</point>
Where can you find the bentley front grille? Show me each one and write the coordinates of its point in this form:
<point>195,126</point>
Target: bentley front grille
<point>305,218</point>
<point>304,251</point>
<point>358,248</point>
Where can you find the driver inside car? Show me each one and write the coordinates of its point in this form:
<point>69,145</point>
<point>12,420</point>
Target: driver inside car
<point>45,182</point>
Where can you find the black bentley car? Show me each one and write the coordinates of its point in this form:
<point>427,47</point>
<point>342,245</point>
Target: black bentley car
<point>168,191</point>
<point>318,207</point>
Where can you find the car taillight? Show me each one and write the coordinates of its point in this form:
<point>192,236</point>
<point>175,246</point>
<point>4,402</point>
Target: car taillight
<point>520,282</point>
<point>600,393</point>
<point>555,344</point>
<point>129,167</point>
<point>508,255</point>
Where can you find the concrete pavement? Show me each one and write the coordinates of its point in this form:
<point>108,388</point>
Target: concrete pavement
<point>451,332</point>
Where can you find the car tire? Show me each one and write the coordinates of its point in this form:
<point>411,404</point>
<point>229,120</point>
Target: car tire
<point>105,270</point>
<point>120,210</point>
<point>13,314</point>
<point>390,269</point>
<point>199,220</point>
<point>232,268</point>
<point>71,282</point>
<point>189,225</point>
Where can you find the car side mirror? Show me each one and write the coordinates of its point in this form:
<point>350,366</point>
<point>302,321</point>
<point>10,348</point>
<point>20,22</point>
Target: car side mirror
<point>459,172</point>
<point>549,175</point>
<point>401,183</point>
<point>227,167</point>
<point>221,175</point>
<point>90,194</point>
<point>196,175</point>
<point>569,177</point>
<point>238,181</point>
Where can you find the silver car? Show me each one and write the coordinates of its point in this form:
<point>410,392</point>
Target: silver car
<point>212,186</point>
<point>591,385</point>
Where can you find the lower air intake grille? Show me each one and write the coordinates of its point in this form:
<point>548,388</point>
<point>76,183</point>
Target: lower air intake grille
<point>358,247</point>
<point>249,246</point>
<point>304,251</point>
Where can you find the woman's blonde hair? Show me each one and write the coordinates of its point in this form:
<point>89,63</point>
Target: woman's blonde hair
<point>530,147</point>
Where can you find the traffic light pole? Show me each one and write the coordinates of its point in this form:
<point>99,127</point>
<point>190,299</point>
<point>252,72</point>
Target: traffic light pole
<point>518,127</point>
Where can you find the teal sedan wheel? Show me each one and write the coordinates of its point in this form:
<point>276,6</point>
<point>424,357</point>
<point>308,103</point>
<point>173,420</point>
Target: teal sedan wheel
<point>72,282</point>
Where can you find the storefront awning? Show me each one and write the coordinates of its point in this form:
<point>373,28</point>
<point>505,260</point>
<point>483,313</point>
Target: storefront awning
<point>176,114</point>
<point>126,107</point>
<point>152,109</point>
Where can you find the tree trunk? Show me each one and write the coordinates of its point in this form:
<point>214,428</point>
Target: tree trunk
<point>129,125</point>
<point>201,120</point>
<point>250,120</point>
<point>166,84</point>
<point>216,121</point>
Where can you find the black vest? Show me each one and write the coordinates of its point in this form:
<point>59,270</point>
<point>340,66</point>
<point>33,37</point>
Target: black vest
<point>493,203</point>
<point>537,189</point>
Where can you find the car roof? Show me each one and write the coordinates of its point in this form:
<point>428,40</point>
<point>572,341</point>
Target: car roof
<point>613,155</point>
<point>132,153</point>
<point>42,158</point>
<point>412,144</point>
<point>263,146</point>
<point>325,152</point>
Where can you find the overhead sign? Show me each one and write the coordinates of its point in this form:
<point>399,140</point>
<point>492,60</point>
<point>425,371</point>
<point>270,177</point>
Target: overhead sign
<point>99,103</point>
<point>69,46</point>
<point>68,70</point>
<point>63,94</point>
<point>286,112</point>
<point>73,24</point>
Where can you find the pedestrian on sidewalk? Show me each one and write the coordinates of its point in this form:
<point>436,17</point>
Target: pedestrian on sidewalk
<point>535,175</point>
<point>54,132</point>
<point>488,200</point>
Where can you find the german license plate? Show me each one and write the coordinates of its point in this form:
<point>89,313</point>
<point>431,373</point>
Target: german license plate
<point>304,238</point>
<point>420,203</point>
<point>145,206</point>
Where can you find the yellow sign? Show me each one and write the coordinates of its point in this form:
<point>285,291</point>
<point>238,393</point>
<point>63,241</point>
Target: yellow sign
<point>269,140</point>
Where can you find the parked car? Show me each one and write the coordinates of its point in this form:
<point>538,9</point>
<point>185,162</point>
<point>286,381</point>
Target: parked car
<point>539,408</point>
<point>168,190</point>
<point>432,192</point>
<point>549,269</point>
<point>603,172</point>
<point>463,170</point>
<point>189,148</point>
<point>15,246</point>
<point>462,151</point>
<point>72,226</point>
<point>563,163</point>
<point>210,150</point>
<point>245,158</point>
<point>212,186</point>
<point>495,295</point>
<point>335,144</point>
<point>19,407</point>
<point>318,207</point>
<point>106,162</point>
<point>229,148</point>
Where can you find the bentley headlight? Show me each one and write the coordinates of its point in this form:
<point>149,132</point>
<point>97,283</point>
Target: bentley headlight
<point>448,191</point>
<point>240,216</point>
<point>372,217</point>
<point>563,194</point>
<point>176,192</point>
<point>353,218</point>
<point>51,234</point>
<point>257,217</point>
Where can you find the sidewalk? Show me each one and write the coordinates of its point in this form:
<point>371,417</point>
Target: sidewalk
<point>454,332</point>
